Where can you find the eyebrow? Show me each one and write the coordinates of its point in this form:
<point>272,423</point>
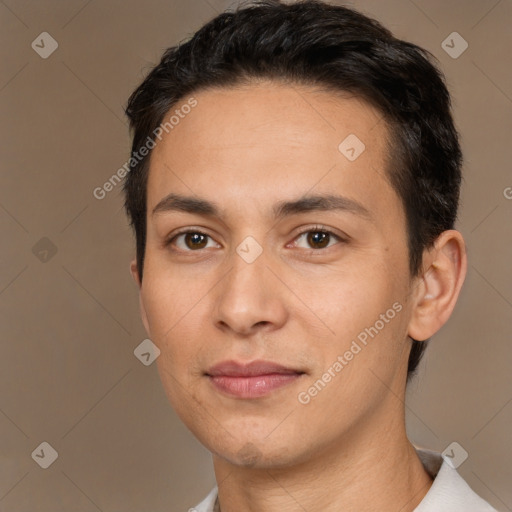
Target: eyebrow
<point>307,203</point>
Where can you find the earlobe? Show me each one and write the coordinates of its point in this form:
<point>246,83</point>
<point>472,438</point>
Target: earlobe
<point>134,272</point>
<point>440,285</point>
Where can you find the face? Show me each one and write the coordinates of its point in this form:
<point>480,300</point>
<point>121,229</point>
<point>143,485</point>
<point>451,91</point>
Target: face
<point>279,294</point>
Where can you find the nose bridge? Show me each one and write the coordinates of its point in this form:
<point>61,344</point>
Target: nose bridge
<point>246,296</point>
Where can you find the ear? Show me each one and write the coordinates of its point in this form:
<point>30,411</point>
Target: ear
<point>135,274</point>
<point>435,296</point>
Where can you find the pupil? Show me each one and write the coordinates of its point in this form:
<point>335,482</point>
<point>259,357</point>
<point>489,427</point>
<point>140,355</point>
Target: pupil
<point>318,237</point>
<point>195,238</point>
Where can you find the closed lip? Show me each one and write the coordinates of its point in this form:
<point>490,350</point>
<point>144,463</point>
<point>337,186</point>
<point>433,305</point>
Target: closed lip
<point>260,367</point>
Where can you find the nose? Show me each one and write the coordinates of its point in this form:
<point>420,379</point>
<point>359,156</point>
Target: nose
<point>250,298</point>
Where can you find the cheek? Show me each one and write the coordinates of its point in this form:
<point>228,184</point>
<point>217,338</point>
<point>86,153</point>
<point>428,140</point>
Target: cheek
<point>366,317</point>
<point>354,299</point>
<point>170,312</point>
<point>169,296</point>
<point>172,309</point>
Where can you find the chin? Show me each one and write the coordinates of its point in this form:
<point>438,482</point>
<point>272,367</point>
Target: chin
<point>253,454</point>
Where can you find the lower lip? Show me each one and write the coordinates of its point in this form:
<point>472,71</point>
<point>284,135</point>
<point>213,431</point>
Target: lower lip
<point>252,387</point>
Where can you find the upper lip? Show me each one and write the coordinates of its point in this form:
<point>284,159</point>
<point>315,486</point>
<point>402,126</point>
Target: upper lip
<point>235,369</point>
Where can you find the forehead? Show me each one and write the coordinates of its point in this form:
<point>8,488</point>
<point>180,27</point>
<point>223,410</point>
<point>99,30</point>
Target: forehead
<point>276,113</point>
<point>268,140</point>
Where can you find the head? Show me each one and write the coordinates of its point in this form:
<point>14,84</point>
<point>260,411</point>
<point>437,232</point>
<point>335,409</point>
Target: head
<point>263,99</point>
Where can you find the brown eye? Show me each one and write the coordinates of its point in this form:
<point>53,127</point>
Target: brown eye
<point>319,238</point>
<point>195,240</point>
<point>190,241</point>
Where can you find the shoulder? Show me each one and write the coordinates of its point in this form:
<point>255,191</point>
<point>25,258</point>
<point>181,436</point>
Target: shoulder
<point>449,491</point>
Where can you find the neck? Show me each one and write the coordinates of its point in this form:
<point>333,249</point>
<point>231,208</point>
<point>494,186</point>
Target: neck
<point>369,469</point>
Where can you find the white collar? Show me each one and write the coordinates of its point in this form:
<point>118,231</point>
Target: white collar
<point>449,492</point>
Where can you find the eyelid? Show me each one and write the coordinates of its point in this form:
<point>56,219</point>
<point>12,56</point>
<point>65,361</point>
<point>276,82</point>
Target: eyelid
<point>318,228</point>
<point>191,229</point>
<point>323,229</point>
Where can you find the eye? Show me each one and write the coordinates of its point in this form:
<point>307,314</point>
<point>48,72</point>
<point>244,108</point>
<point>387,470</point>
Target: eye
<point>191,240</point>
<point>318,238</point>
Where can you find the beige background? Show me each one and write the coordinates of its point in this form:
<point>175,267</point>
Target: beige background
<point>70,324</point>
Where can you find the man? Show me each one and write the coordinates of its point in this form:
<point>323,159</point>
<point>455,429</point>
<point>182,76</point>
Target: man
<point>293,187</point>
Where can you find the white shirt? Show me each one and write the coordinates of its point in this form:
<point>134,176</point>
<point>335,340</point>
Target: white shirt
<point>448,493</point>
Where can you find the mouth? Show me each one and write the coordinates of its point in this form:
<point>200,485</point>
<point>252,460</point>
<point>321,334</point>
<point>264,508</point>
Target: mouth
<point>253,380</point>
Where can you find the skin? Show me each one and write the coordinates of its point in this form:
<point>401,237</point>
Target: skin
<point>299,303</point>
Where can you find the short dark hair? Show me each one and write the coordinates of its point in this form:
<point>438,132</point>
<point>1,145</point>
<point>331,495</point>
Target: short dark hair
<point>339,49</point>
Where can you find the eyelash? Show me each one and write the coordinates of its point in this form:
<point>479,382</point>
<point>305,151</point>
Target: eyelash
<point>312,229</point>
